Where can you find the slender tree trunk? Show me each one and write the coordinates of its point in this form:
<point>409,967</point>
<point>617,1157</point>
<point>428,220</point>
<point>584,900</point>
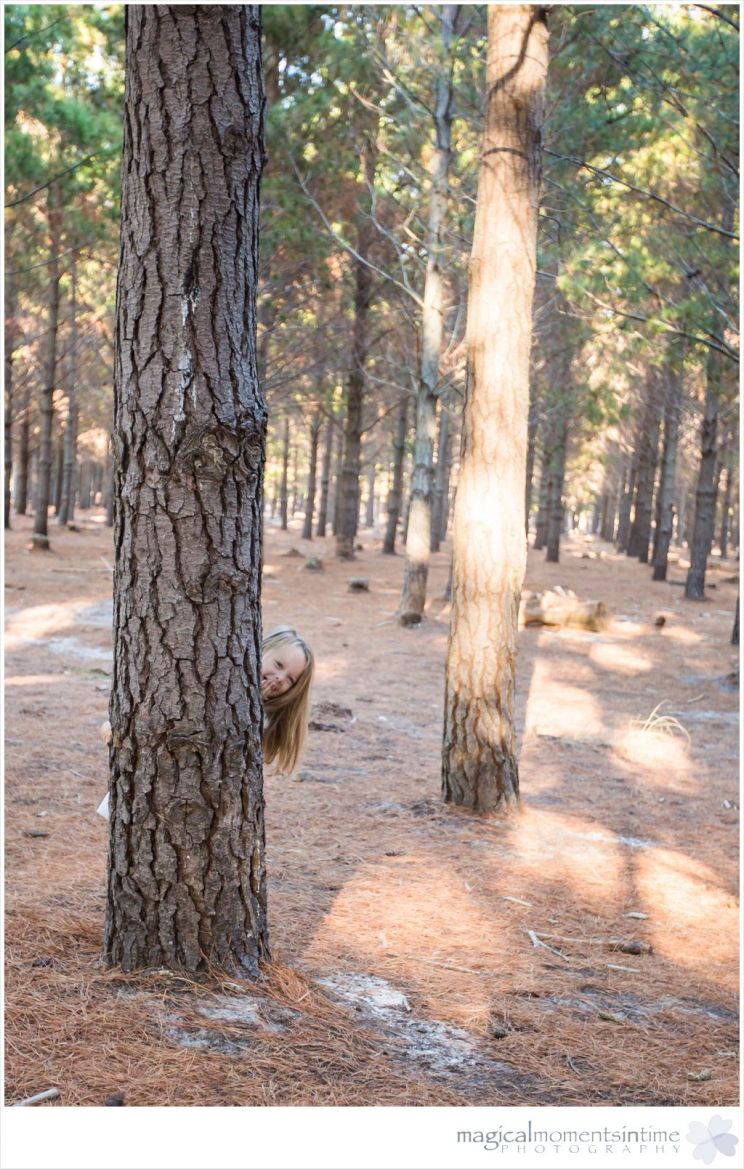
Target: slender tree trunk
<point>735,630</point>
<point>672,407</point>
<point>67,508</point>
<point>59,463</point>
<point>337,483</point>
<point>325,479</point>
<point>21,480</point>
<point>543,501</point>
<point>479,761</point>
<point>556,481</point>
<point>315,425</point>
<point>295,482</point>
<point>110,488</point>
<point>10,345</point>
<point>369,515</point>
<point>40,538</point>
<point>284,493</point>
<point>396,489</point>
<point>441,478</point>
<point>648,455</point>
<point>705,495</point>
<point>626,501</point>
<point>725,510</point>
<point>419,535</point>
<point>533,421</point>
<point>348,514</point>
<point>186,863</point>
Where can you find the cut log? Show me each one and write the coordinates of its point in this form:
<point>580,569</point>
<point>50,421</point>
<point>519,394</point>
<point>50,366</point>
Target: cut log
<point>565,609</point>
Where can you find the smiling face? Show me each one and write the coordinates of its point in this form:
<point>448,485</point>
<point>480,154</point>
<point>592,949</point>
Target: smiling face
<point>281,666</point>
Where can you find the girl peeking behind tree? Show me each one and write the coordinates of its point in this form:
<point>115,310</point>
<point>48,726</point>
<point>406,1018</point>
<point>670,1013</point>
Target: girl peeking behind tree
<point>287,665</point>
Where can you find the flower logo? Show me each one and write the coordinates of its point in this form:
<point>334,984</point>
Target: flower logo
<point>712,1138</point>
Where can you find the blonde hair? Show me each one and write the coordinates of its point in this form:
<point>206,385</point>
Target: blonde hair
<point>286,716</point>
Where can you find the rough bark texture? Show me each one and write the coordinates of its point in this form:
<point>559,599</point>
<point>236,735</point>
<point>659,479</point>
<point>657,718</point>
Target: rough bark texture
<point>40,538</point>
<point>672,404</point>
<point>325,480</point>
<point>418,536</point>
<point>186,863</point>
<point>307,527</point>
<point>479,762</point>
<point>396,489</point>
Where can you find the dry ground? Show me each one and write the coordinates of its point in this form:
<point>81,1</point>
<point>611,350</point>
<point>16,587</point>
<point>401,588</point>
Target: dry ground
<point>374,885</point>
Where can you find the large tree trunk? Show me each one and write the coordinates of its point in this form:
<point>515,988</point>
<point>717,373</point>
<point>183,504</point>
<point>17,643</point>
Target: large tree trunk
<point>396,490</point>
<point>284,491</point>
<point>40,538</point>
<point>705,495</point>
<point>186,864</point>
<point>556,481</point>
<point>479,763</point>
<point>672,404</point>
<point>648,455</point>
<point>67,506</point>
<point>441,478</point>
<point>418,538</point>
<point>315,425</point>
<point>325,480</point>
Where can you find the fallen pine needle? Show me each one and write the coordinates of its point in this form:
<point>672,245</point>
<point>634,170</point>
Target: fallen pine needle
<point>517,900</point>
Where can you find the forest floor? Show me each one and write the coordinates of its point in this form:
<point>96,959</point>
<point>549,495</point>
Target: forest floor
<point>404,971</point>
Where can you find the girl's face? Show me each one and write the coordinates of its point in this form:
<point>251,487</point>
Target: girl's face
<point>281,666</point>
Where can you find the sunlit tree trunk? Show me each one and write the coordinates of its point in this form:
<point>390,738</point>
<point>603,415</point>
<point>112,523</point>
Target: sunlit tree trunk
<point>396,489</point>
<point>479,761</point>
<point>40,538</point>
<point>186,862</point>
<point>418,537</point>
<point>672,404</point>
<point>648,455</point>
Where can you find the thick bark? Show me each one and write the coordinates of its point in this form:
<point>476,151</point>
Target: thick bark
<point>648,456</point>
<point>307,527</point>
<point>40,538</point>
<point>672,406</point>
<point>556,480</point>
<point>186,865</point>
<point>67,506</point>
<point>284,490</point>
<point>479,762</point>
<point>441,478</point>
<point>396,489</point>
<point>325,480</point>
<point>419,534</point>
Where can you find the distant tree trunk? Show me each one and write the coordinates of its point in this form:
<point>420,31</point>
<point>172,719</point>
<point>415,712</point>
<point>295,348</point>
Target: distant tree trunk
<point>648,455</point>
<point>325,479</point>
<point>369,509</point>
<point>59,463</point>
<point>556,482</point>
<point>533,421</point>
<point>705,496</point>
<point>543,500</point>
<point>672,405</point>
<point>348,515</point>
<point>67,506</point>
<point>284,493</point>
<point>40,538</point>
<point>11,332</point>
<point>315,425</point>
<point>338,469</point>
<point>735,630</point>
<point>479,762</point>
<point>626,500</point>
<point>726,508</point>
<point>418,537</point>
<point>295,481</point>
<point>396,489</point>
<point>187,886</point>
<point>109,501</point>
<point>441,478</point>
<point>84,485</point>
<point>21,479</point>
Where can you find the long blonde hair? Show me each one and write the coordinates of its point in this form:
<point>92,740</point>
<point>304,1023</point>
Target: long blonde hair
<point>286,716</point>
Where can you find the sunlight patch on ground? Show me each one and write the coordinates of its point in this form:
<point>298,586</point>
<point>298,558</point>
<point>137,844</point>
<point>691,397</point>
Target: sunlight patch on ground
<point>664,758</point>
<point>36,679</point>
<point>620,660</point>
<point>692,920</point>
<point>556,708</point>
<point>39,621</point>
<point>681,635</point>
